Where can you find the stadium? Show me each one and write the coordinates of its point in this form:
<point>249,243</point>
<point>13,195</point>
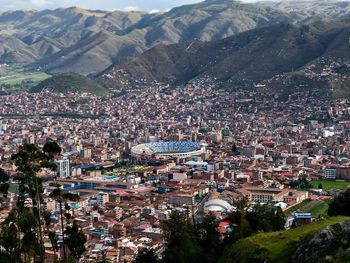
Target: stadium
<point>182,149</point>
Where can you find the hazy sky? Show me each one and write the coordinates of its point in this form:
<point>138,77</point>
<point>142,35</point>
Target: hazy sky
<point>95,4</point>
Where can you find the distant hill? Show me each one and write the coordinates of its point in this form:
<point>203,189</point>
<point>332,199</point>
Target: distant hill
<point>246,59</point>
<point>89,41</point>
<point>70,82</point>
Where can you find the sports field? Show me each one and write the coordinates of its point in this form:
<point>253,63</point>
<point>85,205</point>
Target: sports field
<point>328,185</point>
<point>315,207</point>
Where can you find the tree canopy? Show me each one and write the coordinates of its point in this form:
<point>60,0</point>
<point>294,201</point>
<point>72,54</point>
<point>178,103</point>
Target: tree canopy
<point>340,205</point>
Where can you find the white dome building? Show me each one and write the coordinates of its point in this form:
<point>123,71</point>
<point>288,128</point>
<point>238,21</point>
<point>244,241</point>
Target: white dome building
<point>218,205</point>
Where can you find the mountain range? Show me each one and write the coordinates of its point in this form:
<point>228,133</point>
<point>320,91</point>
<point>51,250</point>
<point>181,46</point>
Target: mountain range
<point>265,56</point>
<point>90,41</point>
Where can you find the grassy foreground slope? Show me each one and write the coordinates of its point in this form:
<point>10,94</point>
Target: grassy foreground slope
<point>275,246</point>
<point>70,82</point>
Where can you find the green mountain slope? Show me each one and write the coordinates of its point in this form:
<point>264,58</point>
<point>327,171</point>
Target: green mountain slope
<point>70,82</point>
<point>289,246</point>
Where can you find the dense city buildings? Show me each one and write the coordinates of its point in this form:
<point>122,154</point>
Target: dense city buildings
<point>217,131</point>
<point>135,158</point>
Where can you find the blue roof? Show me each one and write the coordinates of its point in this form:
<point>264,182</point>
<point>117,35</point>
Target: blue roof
<point>85,166</point>
<point>173,146</point>
<point>300,214</point>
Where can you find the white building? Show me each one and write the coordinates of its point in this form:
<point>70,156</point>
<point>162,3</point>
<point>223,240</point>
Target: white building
<point>217,205</point>
<point>330,173</point>
<point>63,169</point>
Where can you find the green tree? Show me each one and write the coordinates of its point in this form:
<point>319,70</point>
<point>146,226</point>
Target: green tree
<point>320,186</point>
<point>63,197</point>
<point>75,241</point>
<point>209,239</point>
<point>244,228</point>
<point>51,149</point>
<point>146,255</point>
<point>4,183</point>
<point>10,243</point>
<point>301,183</point>
<point>67,260</point>
<point>240,204</point>
<point>19,235</point>
<point>51,234</point>
<point>266,218</point>
<point>244,251</point>
<point>340,205</point>
<point>234,148</point>
<point>29,161</point>
<point>180,240</point>
<point>29,224</point>
<point>256,219</point>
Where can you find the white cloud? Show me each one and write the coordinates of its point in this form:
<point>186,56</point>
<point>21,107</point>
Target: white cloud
<point>40,2</point>
<point>131,8</point>
<point>154,11</point>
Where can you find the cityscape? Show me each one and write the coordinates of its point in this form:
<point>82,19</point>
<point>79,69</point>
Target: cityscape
<point>203,170</point>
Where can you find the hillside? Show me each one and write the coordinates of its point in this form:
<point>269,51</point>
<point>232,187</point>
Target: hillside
<point>308,243</point>
<point>70,82</point>
<point>88,41</point>
<point>308,11</point>
<point>67,39</point>
<point>264,55</point>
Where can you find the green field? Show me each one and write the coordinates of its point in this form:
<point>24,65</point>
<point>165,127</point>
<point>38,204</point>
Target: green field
<point>315,207</point>
<point>328,185</point>
<point>14,77</point>
<point>279,246</point>
<point>298,207</point>
<point>19,78</point>
<point>319,208</point>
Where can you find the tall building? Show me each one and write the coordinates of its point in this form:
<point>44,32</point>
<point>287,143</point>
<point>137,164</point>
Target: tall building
<point>330,173</point>
<point>31,139</point>
<point>63,169</point>
<point>226,132</point>
<point>85,153</point>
